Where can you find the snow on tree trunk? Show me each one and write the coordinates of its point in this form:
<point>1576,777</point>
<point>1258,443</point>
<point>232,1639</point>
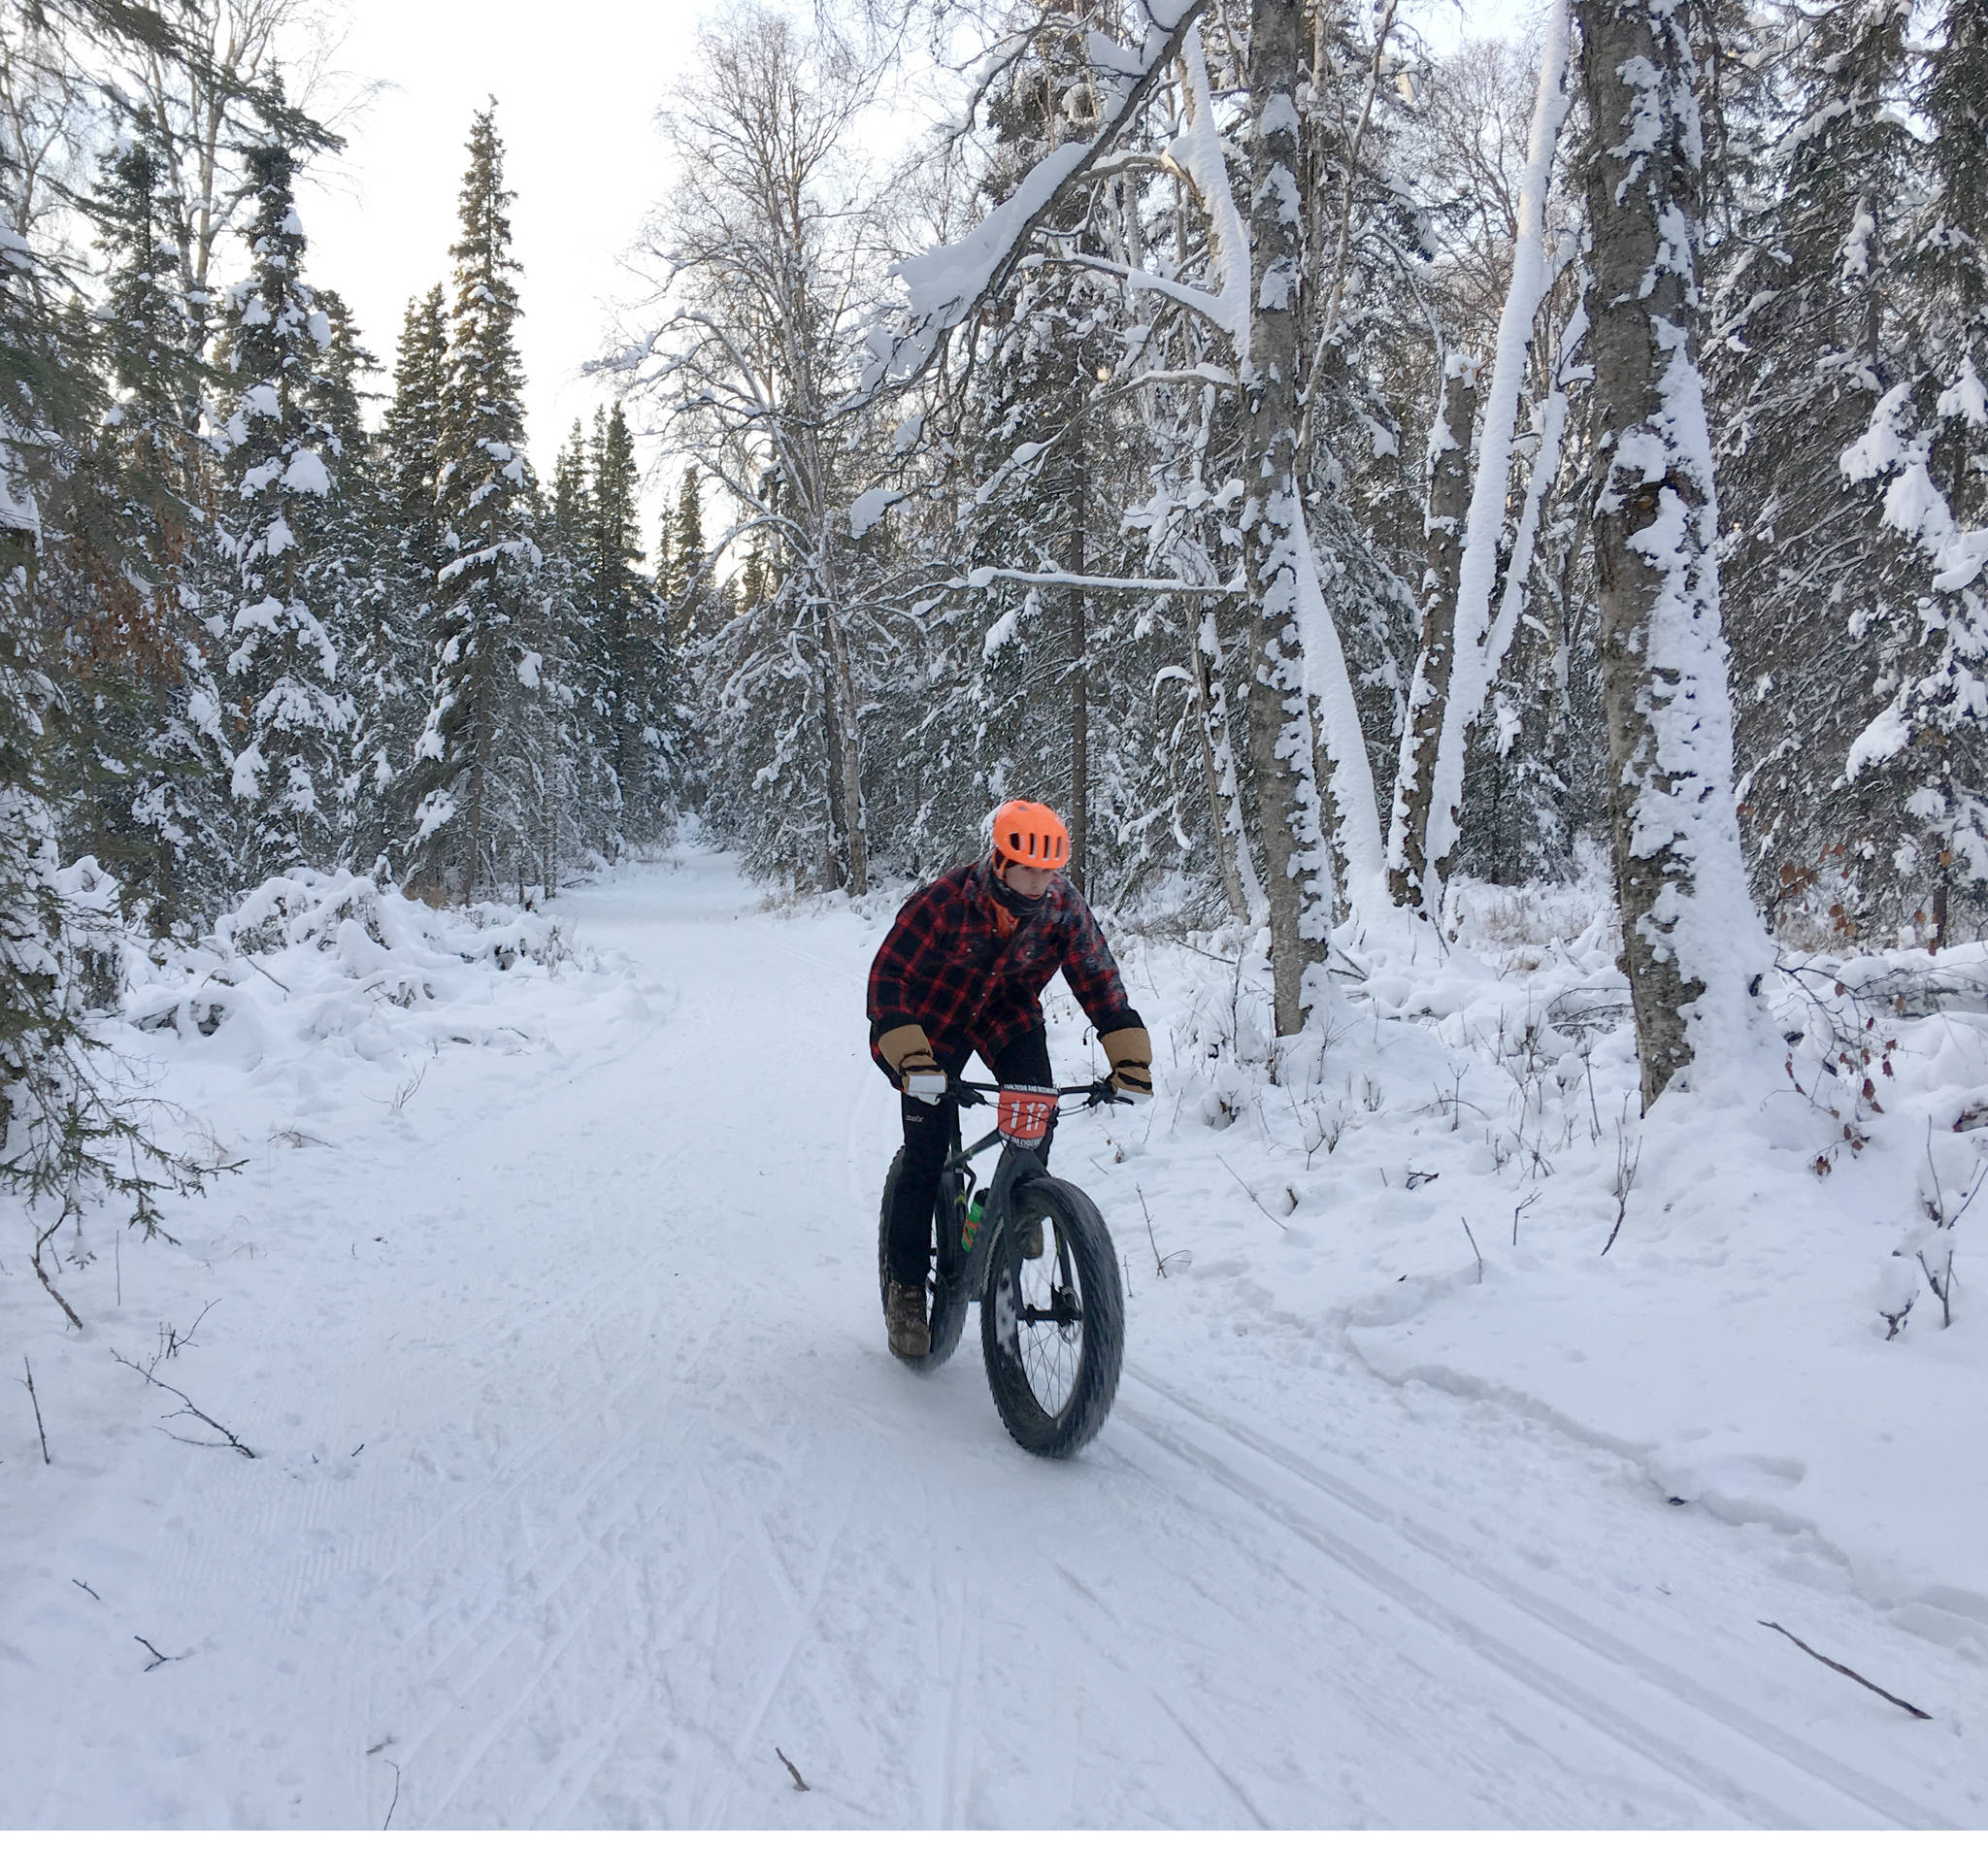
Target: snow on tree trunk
<point>848,754</point>
<point>1276,550</point>
<point>1078,607</point>
<point>1450,494</point>
<point>1693,946</point>
<point>1474,664</point>
<point>1239,884</point>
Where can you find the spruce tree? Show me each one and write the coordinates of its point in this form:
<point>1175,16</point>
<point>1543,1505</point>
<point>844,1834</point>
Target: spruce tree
<point>145,739</point>
<point>682,563</point>
<point>631,643</point>
<point>354,577</point>
<point>1805,300</point>
<point>391,675</point>
<point>589,808</point>
<point>284,714</point>
<point>411,433</point>
<point>484,488</point>
<point>1928,446</point>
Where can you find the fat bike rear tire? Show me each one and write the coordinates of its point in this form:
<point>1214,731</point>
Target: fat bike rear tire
<point>946,1295</point>
<point>1052,1330</point>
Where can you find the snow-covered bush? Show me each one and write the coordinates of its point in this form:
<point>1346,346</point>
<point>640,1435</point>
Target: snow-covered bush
<point>337,948</point>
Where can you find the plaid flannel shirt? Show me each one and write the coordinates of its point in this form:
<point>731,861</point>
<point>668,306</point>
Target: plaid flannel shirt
<point>947,966</point>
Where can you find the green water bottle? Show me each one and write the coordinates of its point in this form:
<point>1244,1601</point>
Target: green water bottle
<point>975,1209</point>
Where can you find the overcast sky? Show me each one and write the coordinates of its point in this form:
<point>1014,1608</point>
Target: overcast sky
<point>577,84</point>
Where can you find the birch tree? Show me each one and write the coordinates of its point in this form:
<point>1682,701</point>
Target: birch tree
<point>1693,946</point>
<point>1275,549</point>
<point>1428,800</point>
<point>760,260</point>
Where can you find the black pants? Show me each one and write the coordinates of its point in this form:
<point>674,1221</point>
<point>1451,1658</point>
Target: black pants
<point>930,1126</point>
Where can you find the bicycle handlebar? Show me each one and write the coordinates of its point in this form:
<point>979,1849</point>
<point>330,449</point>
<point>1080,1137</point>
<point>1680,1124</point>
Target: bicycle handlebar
<point>975,1091</point>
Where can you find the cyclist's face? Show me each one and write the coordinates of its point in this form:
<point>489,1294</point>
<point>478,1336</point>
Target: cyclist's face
<point>1031,883</point>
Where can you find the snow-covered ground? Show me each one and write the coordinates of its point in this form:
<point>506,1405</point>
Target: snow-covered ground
<point>584,1491</point>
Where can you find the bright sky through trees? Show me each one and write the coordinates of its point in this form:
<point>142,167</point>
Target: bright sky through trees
<point>577,88</point>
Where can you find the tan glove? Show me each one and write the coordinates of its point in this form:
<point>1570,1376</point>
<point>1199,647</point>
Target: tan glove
<point>1130,1051</point>
<point>910,1057</point>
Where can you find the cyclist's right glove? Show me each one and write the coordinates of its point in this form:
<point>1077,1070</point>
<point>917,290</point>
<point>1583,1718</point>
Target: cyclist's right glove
<point>910,1057</point>
<point>1130,1051</point>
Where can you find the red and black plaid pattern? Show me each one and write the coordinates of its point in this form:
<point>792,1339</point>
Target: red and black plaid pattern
<point>948,966</point>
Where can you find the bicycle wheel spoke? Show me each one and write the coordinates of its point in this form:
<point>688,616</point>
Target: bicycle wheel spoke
<point>1048,1324</point>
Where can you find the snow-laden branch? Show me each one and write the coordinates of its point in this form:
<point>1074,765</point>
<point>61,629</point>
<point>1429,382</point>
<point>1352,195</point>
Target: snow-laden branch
<point>1474,666</point>
<point>1915,506</point>
<point>945,284</point>
<point>1546,467</point>
<point>980,577</point>
<point>1327,682</point>
<point>1200,154</point>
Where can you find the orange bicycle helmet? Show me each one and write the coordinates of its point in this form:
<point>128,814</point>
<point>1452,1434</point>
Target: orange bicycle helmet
<point>1032,834</point>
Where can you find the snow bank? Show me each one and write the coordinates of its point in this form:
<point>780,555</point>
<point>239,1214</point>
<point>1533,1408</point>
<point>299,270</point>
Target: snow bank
<point>1433,1179</point>
<point>323,995</point>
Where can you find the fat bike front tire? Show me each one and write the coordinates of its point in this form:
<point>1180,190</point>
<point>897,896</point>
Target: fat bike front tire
<point>946,1297</point>
<point>1052,1330</point>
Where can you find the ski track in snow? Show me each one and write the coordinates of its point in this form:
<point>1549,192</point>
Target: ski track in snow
<point>587,1483</point>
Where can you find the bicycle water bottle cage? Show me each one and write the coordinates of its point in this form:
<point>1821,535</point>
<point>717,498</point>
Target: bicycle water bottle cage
<point>1026,1112</point>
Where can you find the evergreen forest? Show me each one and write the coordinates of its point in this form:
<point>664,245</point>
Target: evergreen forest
<point>1326,464</point>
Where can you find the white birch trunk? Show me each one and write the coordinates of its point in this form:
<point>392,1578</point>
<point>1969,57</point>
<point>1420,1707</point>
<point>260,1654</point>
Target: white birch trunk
<point>1275,552</point>
<point>1442,522</point>
<point>1474,668</point>
<point>1693,945</point>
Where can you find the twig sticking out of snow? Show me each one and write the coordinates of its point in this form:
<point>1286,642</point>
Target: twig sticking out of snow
<point>1473,1239</point>
<point>47,1283</point>
<point>1251,1193</point>
<point>1159,1260</point>
<point>800,1784</point>
<point>1942,1286</point>
<point>40,1429</point>
<point>1625,1179</point>
<point>1911,1708</point>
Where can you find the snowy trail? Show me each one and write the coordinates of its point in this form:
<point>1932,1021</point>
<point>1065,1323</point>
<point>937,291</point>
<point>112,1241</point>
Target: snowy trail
<point>597,1488</point>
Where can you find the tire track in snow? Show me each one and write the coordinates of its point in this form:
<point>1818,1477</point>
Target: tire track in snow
<point>1497,1633</point>
<point>1215,1766</point>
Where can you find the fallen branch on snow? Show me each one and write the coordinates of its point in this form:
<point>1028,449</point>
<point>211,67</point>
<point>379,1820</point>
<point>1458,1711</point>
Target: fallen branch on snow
<point>1845,1669</point>
<point>227,1439</point>
<point>158,1657</point>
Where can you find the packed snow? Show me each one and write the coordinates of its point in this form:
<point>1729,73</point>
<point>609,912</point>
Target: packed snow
<point>537,1277</point>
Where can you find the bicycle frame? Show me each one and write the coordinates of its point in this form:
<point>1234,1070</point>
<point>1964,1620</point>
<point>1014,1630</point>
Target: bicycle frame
<point>1017,1163</point>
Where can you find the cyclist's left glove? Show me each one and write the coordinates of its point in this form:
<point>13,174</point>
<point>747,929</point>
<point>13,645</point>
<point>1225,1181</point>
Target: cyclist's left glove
<point>1130,1051</point>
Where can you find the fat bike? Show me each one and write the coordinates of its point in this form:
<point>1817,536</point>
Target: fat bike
<point>1033,1253</point>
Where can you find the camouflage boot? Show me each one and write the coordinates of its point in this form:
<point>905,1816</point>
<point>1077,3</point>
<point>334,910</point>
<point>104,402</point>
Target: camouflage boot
<point>904,1320</point>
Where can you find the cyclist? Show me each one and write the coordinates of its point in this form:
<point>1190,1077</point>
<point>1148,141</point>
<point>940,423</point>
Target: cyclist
<point>962,972</point>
